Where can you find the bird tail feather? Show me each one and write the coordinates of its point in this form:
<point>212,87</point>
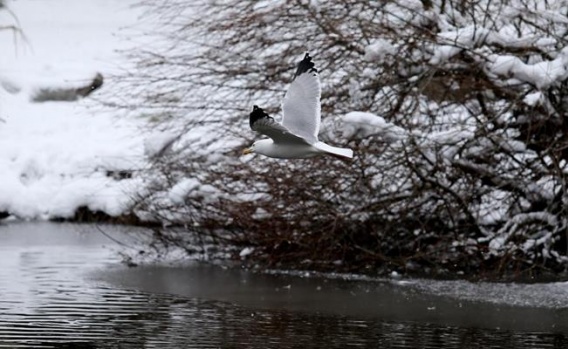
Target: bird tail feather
<point>339,152</point>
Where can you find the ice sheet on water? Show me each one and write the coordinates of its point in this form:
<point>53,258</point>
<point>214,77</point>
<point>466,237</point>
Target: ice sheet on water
<point>538,295</point>
<point>552,295</point>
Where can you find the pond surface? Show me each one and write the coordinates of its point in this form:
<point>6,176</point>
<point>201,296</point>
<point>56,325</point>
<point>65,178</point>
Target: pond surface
<point>63,286</point>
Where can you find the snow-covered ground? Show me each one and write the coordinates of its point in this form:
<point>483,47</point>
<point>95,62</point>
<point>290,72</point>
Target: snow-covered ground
<point>55,156</point>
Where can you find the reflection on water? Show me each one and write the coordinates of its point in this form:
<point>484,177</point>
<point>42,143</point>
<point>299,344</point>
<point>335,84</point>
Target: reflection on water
<point>47,301</point>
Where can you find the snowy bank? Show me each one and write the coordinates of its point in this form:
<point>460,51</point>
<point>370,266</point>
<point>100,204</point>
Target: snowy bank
<point>58,156</point>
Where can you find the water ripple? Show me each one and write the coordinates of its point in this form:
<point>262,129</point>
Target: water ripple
<point>48,303</point>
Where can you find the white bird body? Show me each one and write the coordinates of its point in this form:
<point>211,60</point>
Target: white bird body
<point>287,151</point>
<point>297,136</point>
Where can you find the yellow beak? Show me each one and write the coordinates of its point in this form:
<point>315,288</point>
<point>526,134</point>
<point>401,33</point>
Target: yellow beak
<point>247,151</point>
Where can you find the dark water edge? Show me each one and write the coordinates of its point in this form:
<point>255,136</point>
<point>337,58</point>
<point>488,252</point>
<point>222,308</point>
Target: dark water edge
<point>143,321</point>
<point>446,303</point>
<point>130,320</point>
<point>63,286</point>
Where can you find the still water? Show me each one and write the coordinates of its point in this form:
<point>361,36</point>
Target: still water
<point>63,286</point>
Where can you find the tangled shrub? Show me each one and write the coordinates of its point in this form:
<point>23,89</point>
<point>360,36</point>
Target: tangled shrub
<point>456,111</point>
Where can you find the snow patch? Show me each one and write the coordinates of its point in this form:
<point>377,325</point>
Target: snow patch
<point>378,50</point>
<point>362,125</point>
<point>246,251</point>
<point>159,144</point>
<point>179,192</point>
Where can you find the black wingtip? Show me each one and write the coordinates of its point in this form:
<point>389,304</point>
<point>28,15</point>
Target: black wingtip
<point>257,114</point>
<point>305,65</point>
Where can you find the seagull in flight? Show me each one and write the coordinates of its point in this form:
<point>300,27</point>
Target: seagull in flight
<point>296,137</point>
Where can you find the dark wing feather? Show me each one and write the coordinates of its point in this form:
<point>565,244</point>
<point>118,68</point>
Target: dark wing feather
<point>257,114</point>
<point>305,65</point>
<point>263,123</point>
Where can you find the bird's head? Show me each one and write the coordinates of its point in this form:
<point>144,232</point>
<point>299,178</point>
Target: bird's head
<point>249,150</point>
<point>260,147</point>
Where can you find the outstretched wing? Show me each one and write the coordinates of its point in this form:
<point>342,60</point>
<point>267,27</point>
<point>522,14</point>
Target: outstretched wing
<point>301,106</point>
<point>263,123</point>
